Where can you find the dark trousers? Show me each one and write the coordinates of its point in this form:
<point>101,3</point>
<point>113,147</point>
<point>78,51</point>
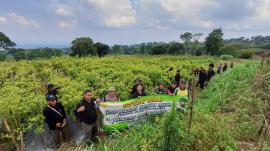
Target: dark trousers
<point>89,131</point>
<point>60,136</point>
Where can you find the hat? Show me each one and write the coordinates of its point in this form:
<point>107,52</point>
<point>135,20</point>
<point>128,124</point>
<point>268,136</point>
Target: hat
<point>50,97</point>
<point>49,86</point>
<point>112,89</point>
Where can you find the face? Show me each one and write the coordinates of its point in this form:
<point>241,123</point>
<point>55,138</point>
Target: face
<point>52,102</point>
<point>112,93</point>
<point>174,85</point>
<point>139,88</point>
<point>88,96</point>
<point>161,86</point>
<point>182,86</point>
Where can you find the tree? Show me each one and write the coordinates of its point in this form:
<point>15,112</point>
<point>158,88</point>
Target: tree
<point>175,48</point>
<point>117,49</point>
<point>214,41</point>
<point>196,43</point>
<point>5,42</point>
<point>83,46</point>
<point>186,37</point>
<point>102,49</point>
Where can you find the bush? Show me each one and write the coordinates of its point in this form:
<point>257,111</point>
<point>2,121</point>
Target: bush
<point>226,57</point>
<point>229,50</point>
<point>3,56</point>
<point>247,54</point>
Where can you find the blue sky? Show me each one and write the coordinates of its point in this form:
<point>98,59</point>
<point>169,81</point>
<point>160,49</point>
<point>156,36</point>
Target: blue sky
<point>57,22</point>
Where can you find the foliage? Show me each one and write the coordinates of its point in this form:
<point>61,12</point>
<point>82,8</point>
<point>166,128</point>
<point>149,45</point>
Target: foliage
<point>226,57</point>
<point>82,47</point>
<point>214,41</point>
<point>247,54</point>
<point>5,42</point>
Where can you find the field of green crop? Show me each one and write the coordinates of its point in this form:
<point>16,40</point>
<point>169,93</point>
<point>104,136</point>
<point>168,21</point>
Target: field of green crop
<point>23,86</point>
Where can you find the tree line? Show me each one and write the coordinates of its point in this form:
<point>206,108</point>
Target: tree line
<point>214,44</point>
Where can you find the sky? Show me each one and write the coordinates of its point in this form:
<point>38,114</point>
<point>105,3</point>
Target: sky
<point>55,23</point>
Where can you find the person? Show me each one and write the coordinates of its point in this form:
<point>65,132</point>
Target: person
<point>51,90</point>
<point>202,78</point>
<point>111,96</point>
<point>219,68</point>
<point>136,81</point>
<point>86,114</point>
<point>172,88</point>
<point>161,89</point>
<point>195,72</point>
<point>139,92</point>
<point>177,76</point>
<point>231,65</point>
<point>55,117</point>
<point>181,90</point>
<point>225,67</point>
<point>211,65</point>
<point>210,74</point>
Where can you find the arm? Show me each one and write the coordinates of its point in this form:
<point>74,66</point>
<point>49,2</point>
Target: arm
<point>47,119</point>
<point>63,112</point>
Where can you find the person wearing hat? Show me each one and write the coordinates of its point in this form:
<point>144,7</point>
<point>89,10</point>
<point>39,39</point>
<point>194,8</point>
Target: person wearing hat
<point>55,117</point>
<point>172,88</point>
<point>86,114</point>
<point>51,90</point>
<point>161,88</point>
<point>111,96</point>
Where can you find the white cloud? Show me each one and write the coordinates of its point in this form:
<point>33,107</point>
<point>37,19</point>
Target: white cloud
<point>114,13</point>
<point>261,9</point>
<point>2,19</point>
<point>62,10</point>
<point>21,20</point>
<point>185,8</point>
<point>68,24</point>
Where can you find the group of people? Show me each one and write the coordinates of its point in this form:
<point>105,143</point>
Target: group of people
<point>204,76</point>
<point>87,110</point>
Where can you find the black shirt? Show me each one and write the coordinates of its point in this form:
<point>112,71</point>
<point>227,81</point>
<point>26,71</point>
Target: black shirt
<point>136,95</point>
<point>89,115</point>
<point>52,117</point>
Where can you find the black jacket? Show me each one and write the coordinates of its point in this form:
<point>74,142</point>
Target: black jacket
<point>52,117</point>
<point>136,95</point>
<point>202,77</point>
<point>89,115</point>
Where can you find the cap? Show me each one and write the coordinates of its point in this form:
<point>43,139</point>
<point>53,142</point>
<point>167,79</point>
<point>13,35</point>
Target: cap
<point>49,86</point>
<point>50,97</point>
<point>112,89</point>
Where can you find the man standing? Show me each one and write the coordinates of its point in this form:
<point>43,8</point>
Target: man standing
<point>202,77</point>
<point>86,113</point>
<point>177,76</point>
<point>55,117</point>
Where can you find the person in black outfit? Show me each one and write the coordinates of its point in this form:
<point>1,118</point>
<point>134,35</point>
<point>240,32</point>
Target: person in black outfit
<point>202,78</point>
<point>225,67</point>
<point>231,65</point>
<point>139,92</point>
<point>55,117</point>
<point>172,88</point>
<point>211,65</point>
<point>51,90</point>
<point>210,74</point>
<point>136,81</point>
<point>86,114</point>
<point>178,77</point>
